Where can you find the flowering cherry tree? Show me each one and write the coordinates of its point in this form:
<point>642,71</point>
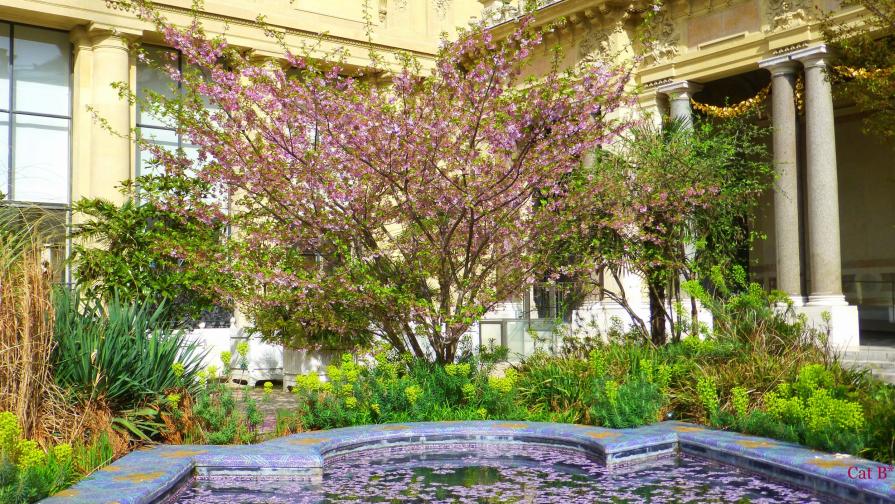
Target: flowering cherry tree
<point>400,203</point>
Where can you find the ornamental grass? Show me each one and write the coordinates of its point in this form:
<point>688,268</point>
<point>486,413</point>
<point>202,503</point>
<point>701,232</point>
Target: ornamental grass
<point>27,388</point>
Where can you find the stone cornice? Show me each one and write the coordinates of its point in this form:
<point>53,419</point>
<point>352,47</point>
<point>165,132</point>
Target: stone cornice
<point>578,12</point>
<point>326,37</point>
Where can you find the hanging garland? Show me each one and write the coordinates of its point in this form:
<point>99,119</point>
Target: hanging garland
<point>800,95</point>
<point>735,110</point>
<point>745,106</point>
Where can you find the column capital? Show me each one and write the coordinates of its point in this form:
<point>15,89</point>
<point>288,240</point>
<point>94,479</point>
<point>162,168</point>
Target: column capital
<point>810,57</point>
<point>680,89</point>
<point>110,36</point>
<point>80,37</point>
<point>779,65</point>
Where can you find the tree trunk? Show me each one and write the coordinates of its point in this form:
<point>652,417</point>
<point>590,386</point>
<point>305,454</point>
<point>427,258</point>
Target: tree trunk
<point>414,343</point>
<point>657,312</point>
<point>694,316</point>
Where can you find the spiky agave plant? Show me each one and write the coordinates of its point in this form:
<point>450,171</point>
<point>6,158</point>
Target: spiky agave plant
<point>123,353</point>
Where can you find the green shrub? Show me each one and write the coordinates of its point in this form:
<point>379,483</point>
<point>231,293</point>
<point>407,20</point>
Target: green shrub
<point>123,353</point>
<point>399,388</point>
<point>621,384</point>
<point>554,385</point>
<point>817,413</point>
<point>708,395</point>
<point>740,401</point>
<point>632,404</point>
<point>124,252</point>
<point>877,400</point>
<point>220,417</point>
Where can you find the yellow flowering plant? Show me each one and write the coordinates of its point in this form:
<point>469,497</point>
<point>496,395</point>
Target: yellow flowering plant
<point>26,466</point>
<point>413,393</point>
<point>242,351</point>
<point>9,434</point>
<point>29,454</point>
<point>226,359</point>
<point>392,387</point>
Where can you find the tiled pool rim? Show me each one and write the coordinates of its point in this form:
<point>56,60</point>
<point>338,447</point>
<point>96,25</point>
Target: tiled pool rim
<point>149,474</point>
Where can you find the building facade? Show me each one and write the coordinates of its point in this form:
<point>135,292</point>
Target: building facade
<point>829,221</point>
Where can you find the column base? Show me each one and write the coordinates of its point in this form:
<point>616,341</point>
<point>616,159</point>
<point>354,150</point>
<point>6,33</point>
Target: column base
<point>827,300</point>
<point>797,302</point>
<point>842,326</point>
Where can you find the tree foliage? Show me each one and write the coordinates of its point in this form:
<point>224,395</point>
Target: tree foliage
<point>866,62</point>
<point>665,203</point>
<point>397,204</point>
<point>142,252</point>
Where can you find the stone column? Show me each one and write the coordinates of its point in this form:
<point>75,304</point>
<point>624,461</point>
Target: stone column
<point>679,95</point>
<point>822,191</point>
<point>82,122</point>
<point>786,201</point>
<point>110,154</point>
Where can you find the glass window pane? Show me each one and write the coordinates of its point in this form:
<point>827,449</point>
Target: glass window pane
<point>165,138</point>
<point>150,78</point>
<point>4,66</point>
<point>40,162</point>
<point>42,67</point>
<point>4,154</point>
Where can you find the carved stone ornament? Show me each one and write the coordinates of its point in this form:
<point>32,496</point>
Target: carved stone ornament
<point>661,38</point>
<point>594,43</point>
<point>783,14</point>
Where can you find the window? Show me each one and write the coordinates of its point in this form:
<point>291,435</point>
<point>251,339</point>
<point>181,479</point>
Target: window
<point>35,114</point>
<point>162,131</point>
<point>157,129</point>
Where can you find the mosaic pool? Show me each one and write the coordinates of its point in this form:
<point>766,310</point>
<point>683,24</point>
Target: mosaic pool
<point>470,473</point>
<point>489,461</point>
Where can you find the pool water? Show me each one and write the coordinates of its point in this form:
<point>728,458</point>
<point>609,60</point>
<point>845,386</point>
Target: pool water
<point>500,473</point>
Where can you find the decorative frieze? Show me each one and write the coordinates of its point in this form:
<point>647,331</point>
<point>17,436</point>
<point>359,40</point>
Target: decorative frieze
<point>507,10</point>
